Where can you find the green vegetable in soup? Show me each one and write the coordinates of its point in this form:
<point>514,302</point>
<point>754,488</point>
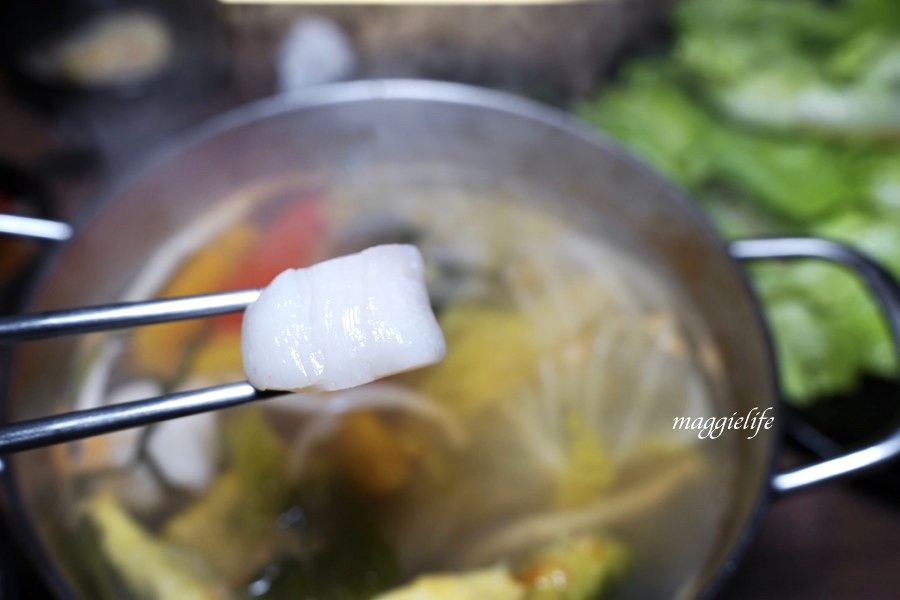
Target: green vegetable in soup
<point>494,583</point>
<point>479,334</point>
<point>582,568</point>
<point>150,567</point>
<point>350,560</point>
<point>232,524</point>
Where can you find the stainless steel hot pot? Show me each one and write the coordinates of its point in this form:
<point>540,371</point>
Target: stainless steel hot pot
<point>347,132</point>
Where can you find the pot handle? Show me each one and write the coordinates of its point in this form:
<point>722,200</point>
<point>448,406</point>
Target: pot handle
<point>28,186</point>
<point>34,227</point>
<point>886,290</point>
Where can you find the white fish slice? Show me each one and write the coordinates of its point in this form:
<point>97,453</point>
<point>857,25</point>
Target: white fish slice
<point>342,323</point>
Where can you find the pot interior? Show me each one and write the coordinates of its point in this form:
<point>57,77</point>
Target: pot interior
<point>480,181</point>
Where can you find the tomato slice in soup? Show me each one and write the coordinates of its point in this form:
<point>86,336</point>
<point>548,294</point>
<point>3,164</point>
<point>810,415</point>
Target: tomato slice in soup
<point>292,240</point>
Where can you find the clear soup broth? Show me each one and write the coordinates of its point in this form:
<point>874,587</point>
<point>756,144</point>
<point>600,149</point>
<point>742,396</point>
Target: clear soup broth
<point>539,459</point>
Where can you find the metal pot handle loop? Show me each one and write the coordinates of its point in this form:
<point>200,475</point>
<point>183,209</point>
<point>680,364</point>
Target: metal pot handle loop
<point>886,290</point>
<point>34,227</point>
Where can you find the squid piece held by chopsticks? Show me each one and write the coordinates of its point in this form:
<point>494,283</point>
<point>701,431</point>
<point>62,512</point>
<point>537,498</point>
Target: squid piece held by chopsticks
<point>342,323</point>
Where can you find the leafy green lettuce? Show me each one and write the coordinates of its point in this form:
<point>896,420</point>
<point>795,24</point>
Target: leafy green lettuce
<point>783,118</point>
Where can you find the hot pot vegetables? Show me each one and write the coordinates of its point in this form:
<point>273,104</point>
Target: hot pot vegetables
<point>536,460</point>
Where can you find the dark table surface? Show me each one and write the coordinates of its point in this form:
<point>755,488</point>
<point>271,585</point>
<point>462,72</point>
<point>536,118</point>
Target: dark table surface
<point>835,541</point>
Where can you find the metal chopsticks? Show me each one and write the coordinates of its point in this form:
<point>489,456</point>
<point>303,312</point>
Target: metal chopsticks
<point>80,424</point>
<point>109,317</point>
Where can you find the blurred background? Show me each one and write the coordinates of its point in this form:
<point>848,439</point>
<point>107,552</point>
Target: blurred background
<point>779,117</point>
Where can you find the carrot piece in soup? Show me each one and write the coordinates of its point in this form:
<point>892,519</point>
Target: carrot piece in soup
<point>289,243</point>
<point>160,350</point>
